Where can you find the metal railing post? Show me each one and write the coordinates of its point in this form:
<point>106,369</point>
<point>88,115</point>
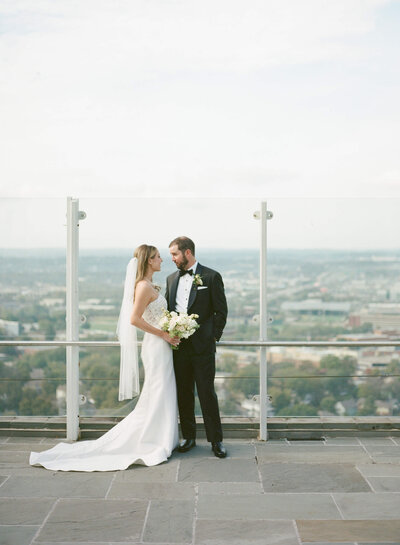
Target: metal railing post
<point>263,215</point>
<point>263,436</point>
<point>72,317</point>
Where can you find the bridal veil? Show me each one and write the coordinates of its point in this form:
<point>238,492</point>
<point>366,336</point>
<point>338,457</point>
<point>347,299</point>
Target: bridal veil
<point>127,336</point>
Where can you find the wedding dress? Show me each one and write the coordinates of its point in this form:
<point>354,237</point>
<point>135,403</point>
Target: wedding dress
<point>148,434</point>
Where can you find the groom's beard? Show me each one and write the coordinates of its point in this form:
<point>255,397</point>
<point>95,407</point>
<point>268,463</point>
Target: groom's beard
<point>182,266</point>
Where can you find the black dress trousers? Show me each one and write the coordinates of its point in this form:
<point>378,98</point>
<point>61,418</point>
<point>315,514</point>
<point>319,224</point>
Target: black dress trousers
<point>196,369</point>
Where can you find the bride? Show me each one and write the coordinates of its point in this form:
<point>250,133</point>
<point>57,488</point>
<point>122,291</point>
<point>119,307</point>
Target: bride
<point>149,433</point>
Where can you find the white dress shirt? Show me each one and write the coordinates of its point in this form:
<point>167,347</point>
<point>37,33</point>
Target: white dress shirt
<point>183,291</point>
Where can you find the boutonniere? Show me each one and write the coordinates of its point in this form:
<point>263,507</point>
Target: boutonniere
<point>197,280</point>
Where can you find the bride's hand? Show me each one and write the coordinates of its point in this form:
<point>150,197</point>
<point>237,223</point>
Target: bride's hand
<point>171,340</point>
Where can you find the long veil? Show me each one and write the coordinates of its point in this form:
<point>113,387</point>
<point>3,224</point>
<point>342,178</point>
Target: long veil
<point>127,336</point>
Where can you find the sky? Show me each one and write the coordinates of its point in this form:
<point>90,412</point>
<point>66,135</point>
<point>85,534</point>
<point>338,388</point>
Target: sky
<point>186,103</point>
<point>335,223</point>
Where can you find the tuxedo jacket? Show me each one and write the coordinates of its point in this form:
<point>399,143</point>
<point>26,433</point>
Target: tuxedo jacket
<point>208,301</point>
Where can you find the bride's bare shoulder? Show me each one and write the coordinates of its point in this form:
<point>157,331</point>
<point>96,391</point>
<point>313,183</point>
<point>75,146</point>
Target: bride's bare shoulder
<point>143,285</point>
<point>143,289</point>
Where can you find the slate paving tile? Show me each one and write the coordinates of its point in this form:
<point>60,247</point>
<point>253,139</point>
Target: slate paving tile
<point>17,535</point>
<point>169,521</point>
<point>267,506</point>
<point>16,459</point>
<point>25,440</point>
<point>24,511</point>
<point>316,454</point>
<point>390,451</point>
<point>242,532</point>
<point>348,441</point>
<point>52,442</point>
<point>376,441</point>
<point>339,531</point>
<point>379,470</point>
<point>235,449</point>
<point>166,472</point>
<point>230,488</point>
<point>312,478</point>
<point>94,520</point>
<point>25,469</point>
<point>227,470</point>
<point>23,447</point>
<point>386,459</point>
<point>59,485</point>
<point>306,443</point>
<point>171,491</point>
<point>279,446</point>
<point>385,484</point>
<point>369,506</point>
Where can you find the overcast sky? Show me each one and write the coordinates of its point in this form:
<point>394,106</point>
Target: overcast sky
<point>224,98</point>
<point>339,223</point>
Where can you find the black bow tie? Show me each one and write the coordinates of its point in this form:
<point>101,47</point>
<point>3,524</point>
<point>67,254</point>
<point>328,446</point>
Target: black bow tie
<point>182,273</point>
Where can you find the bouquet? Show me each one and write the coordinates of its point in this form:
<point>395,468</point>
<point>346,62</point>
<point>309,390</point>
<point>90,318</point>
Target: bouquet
<point>180,325</point>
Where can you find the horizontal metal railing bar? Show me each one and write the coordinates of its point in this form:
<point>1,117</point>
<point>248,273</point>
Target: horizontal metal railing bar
<point>257,344</point>
<point>383,375</point>
<point>271,377</point>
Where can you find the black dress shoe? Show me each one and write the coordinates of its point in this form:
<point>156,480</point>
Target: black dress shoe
<point>186,445</point>
<point>218,449</point>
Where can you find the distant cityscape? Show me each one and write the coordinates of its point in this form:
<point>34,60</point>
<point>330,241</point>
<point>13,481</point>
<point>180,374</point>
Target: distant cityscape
<point>312,295</point>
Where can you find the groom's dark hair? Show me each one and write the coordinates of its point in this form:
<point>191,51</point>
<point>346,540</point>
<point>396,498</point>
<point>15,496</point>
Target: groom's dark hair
<point>183,243</point>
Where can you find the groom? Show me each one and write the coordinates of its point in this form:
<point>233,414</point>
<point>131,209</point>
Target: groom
<point>196,289</point>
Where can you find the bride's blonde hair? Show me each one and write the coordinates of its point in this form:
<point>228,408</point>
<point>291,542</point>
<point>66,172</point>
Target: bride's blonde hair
<point>143,253</point>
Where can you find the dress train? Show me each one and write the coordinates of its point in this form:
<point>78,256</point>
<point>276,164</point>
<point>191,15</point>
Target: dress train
<point>147,435</point>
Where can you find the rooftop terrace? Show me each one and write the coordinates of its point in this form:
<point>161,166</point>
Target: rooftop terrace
<point>335,490</point>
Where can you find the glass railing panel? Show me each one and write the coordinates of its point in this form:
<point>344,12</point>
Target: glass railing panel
<point>237,382</point>
<point>334,269</point>
<point>32,269</point>
<point>99,383</point>
<point>333,382</point>
<point>32,381</point>
<point>302,381</point>
<point>107,245</point>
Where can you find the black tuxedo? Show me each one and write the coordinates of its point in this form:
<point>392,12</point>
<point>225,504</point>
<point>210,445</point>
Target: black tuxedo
<point>194,362</point>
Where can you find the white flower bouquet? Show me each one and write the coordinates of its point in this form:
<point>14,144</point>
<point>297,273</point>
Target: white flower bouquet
<point>181,325</point>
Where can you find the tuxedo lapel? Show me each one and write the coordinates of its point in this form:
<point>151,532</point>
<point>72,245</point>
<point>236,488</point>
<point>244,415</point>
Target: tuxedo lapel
<point>193,291</point>
<point>172,294</point>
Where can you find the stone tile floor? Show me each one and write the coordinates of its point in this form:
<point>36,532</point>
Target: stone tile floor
<point>340,490</point>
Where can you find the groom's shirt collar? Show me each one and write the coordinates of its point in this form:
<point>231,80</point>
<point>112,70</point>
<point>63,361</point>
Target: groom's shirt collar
<point>193,267</point>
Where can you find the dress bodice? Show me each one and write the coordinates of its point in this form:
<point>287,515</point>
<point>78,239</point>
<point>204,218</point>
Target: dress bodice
<point>154,311</point>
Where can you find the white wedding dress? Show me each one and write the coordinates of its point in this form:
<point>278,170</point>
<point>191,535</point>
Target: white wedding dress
<point>148,434</point>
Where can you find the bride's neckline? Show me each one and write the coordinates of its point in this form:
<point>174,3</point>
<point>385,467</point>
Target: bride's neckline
<point>154,286</point>
<point>156,299</point>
